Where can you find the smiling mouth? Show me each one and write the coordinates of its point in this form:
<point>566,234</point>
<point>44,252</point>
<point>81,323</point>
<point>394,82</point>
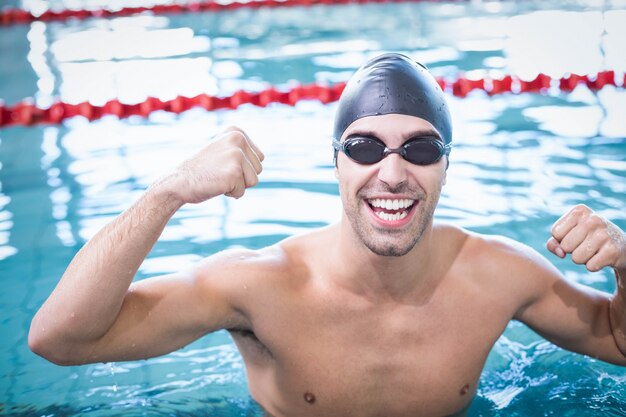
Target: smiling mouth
<point>391,209</point>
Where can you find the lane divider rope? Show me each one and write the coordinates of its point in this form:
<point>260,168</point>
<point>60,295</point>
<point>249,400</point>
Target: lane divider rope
<point>11,16</point>
<point>26,113</point>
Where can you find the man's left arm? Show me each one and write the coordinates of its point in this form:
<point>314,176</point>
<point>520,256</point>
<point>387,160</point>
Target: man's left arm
<point>597,243</point>
<point>573,316</point>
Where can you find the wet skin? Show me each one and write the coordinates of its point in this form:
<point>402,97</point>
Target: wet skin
<point>357,355</point>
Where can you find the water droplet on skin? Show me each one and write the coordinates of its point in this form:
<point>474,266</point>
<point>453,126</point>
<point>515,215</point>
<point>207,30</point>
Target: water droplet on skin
<point>73,314</point>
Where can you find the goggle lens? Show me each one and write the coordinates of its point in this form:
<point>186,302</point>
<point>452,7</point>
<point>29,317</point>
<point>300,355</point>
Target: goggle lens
<point>364,150</point>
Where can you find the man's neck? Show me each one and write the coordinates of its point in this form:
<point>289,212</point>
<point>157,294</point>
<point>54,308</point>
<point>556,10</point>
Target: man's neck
<point>393,278</point>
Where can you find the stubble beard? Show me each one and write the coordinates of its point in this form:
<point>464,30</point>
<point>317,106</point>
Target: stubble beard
<point>392,242</point>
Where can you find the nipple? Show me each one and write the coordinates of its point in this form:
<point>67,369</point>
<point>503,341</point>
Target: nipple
<point>465,389</point>
<point>309,397</point>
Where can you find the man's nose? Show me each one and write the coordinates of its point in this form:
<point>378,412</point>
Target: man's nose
<point>392,170</point>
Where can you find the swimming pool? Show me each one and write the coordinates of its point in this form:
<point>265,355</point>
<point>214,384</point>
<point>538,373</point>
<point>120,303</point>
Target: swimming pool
<point>519,162</point>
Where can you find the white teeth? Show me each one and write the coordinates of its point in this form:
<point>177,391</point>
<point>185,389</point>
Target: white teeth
<point>389,204</point>
<point>392,217</point>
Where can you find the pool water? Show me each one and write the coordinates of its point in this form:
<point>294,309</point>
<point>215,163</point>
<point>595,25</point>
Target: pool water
<point>519,162</point>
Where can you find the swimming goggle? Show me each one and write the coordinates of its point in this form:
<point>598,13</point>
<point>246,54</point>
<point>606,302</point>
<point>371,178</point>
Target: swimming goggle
<point>367,150</point>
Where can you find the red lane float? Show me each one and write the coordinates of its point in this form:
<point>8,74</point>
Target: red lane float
<point>9,16</point>
<point>27,113</point>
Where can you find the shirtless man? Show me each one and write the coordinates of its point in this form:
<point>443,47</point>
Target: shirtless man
<point>383,314</point>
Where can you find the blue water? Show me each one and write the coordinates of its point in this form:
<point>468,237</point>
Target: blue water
<point>519,162</point>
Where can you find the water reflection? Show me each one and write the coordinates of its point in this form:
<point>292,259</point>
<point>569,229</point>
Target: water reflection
<point>194,53</point>
<point>38,58</point>
<point>568,121</point>
<point>574,43</point>
<point>128,41</point>
<point>99,82</point>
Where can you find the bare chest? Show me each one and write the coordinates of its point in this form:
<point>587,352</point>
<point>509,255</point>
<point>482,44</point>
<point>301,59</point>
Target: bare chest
<point>364,361</point>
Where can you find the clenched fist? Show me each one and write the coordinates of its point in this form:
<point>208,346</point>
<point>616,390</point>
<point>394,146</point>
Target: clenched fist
<point>592,240</point>
<point>228,165</point>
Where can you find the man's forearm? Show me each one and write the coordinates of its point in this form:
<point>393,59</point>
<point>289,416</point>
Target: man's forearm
<point>90,294</point>
<point>617,311</point>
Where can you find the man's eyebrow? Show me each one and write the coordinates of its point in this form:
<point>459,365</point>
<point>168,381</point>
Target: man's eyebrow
<point>366,133</point>
<point>427,133</point>
<point>430,133</point>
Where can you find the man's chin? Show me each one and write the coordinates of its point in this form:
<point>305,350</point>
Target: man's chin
<point>389,249</point>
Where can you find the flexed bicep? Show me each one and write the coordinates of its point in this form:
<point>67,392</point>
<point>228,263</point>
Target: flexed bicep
<point>160,315</point>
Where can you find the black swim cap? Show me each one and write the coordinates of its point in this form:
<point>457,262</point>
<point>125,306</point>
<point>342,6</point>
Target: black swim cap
<point>393,83</point>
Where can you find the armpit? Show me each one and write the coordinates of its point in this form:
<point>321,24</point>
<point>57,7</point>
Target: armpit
<point>249,345</point>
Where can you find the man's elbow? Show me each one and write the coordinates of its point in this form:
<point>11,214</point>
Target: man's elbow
<point>48,348</point>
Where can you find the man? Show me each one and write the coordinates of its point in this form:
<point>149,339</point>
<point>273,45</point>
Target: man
<point>384,314</point>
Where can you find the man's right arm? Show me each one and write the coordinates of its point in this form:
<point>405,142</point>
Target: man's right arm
<point>95,314</point>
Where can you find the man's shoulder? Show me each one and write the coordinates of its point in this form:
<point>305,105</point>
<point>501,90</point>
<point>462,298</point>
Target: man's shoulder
<point>497,256</point>
<point>502,269</point>
<point>499,247</point>
<point>481,245</point>
<point>286,259</point>
<point>239,262</point>
<point>245,277</point>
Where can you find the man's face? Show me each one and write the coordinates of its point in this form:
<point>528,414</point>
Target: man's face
<point>390,204</point>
